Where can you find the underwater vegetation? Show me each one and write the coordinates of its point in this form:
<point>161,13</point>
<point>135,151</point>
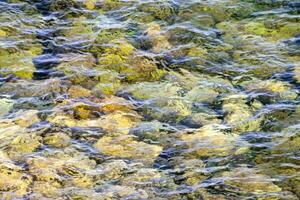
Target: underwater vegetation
<point>150,99</point>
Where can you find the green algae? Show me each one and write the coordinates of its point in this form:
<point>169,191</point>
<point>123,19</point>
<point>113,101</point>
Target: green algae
<point>121,58</point>
<point>162,10</point>
<point>117,99</point>
<point>5,106</point>
<point>19,63</point>
<point>126,147</point>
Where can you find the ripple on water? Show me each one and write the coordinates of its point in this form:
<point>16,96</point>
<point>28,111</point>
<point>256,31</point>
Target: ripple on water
<point>143,99</point>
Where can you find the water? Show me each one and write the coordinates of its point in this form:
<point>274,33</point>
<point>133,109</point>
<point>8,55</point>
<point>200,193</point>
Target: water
<point>140,99</point>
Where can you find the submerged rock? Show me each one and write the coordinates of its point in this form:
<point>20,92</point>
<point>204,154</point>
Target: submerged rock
<point>256,183</point>
<point>122,57</point>
<point>116,122</point>
<point>25,143</point>
<point>210,140</point>
<point>240,115</point>
<point>5,106</point>
<point>125,146</point>
<point>279,90</point>
<point>144,99</point>
<point>153,90</point>
<point>78,92</point>
<point>23,88</point>
<point>14,181</point>
<point>163,10</point>
<point>58,139</point>
<point>19,64</point>
<point>158,40</point>
<point>289,142</point>
<point>297,73</point>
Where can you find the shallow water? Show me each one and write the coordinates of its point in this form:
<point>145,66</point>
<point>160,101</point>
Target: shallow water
<point>141,99</point>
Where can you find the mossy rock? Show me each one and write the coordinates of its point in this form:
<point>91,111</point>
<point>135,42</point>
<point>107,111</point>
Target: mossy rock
<point>79,92</point>
<point>58,139</point>
<point>32,88</point>
<point>162,10</point>
<point>90,4</point>
<point>78,68</point>
<point>60,5</point>
<point>126,146</point>
<point>14,181</point>
<point>107,88</point>
<point>256,183</point>
<point>141,69</point>
<point>79,28</point>
<point>289,142</point>
<point>25,144</point>
<point>240,115</point>
<point>158,39</point>
<point>120,57</point>
<point>210,141</point>
<point>153,130</point>
<point>119,121</point>
<point>221,10</point>
<point>3,33</point>
<point>104,37</point>
<point>152,90</point>
<point>108,82</point>
<point>260,27</point>
<point>23,118</point>
<point>116,122</point>
<point>5,106</point>
<point>278,89</point>
<point>19,64</point>
<point>43,189</point>
<point>202,94</point>
<point>114,104</point>
<point>297,73</point>
<point>108,5</point>
<point>170,109</point>
<point>208,88</point>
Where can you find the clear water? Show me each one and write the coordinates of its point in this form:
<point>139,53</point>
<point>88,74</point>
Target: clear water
<point>141,99</point>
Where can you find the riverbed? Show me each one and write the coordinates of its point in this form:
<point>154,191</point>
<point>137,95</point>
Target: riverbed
<point>150,99</point>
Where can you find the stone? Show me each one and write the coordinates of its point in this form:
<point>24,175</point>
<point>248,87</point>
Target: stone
<point>153,130</point>
<point>113,104</point>
<point>210,141</point>
<point>58,139</point>
<point>118,191</point>
<point>25,143</point>
<point>240,115</point>
<point>118,122</point>
<point>25,118</point>
<point>158,40</point>
<point>78,92</point>
<point>256,182</point>
<point>297,73</point>
<point>122,57</point>
<point>114,169</point>
<point>45,189</point>
<point>289,142</point>
<point>125,146</point>
<point>153,90</point>
<point>19,62</point>
<point>280,90</point>
<point>90,4</point>
<point>14,182</point>
<point>25,88</point>
<point>162,10</point>
<point>144,176</point>
<point>5,106</point>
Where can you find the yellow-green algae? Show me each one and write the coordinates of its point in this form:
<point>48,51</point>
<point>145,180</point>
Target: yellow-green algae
<point>131,99</point>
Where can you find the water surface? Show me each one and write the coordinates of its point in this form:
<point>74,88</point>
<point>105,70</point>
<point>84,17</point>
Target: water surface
<point>144,99</point>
